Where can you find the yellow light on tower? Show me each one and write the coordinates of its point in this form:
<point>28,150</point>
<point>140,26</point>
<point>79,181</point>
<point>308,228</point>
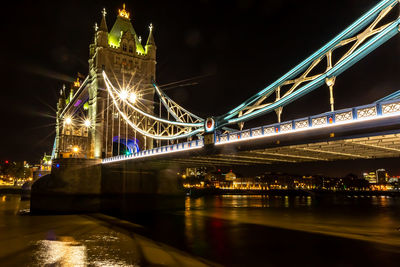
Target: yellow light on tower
<point>75,149</point>
<point>132,97</point>
<point>123,13</point>
<point>123,94</point>
<point>77,83</point>
<point>87,123</point>
<point>68,120</point>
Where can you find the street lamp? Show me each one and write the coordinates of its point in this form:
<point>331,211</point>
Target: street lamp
<point>75,149</point>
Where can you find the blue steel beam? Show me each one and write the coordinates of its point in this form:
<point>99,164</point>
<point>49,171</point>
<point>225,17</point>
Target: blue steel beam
<point>364,50</point>
<point>392,96</point>
<point>362,22</point>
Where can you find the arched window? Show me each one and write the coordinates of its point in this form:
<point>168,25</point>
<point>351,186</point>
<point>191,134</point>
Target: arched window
<point>124,47</point>
<point>130,49</point>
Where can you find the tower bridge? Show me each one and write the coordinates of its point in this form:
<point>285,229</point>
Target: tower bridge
<point>120,121</point>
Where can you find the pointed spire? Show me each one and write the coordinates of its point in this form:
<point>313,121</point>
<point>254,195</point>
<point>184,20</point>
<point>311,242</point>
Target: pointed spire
<point>103,24</point>
<point>150,40</point>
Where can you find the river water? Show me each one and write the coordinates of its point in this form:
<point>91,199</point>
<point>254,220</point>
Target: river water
<point>213,230</point>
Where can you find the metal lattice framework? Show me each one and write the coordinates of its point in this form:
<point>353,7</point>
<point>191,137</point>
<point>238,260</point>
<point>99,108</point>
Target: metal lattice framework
<point>185,124</point>
<point>362,37</point>
<point>179,113</point>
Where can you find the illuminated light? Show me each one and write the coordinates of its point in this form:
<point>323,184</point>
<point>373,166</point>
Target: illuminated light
<point>123,94</point>
<point>57,165</point>
<point>68,120</point>
<point>143,154</point>
<point>77,83</point>
<point>132,97</point>
<point>110,88</point>
<point>337,123</point>
<point>75,149</point>
<point>87,123</point>
<point>123,13</point>
<point>209,124</point>
<point>6,161</point>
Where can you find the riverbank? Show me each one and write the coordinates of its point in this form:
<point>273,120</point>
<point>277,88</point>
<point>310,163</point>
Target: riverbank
<point>198,192</point>
<point>79,240</point>
<point>10,190</point>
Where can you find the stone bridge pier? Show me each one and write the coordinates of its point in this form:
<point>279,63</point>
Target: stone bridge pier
<point>86,185</point>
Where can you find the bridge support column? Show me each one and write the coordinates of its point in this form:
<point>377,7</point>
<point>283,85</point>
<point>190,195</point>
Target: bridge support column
<point>331,82</point>
<point>278,112</point>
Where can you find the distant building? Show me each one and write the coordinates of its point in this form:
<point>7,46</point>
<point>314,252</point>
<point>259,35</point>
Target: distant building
<point>230,176</point>
<point>196,172</point>
<point>44,168</point>
<point>381,176</point>
<point>370,177</point>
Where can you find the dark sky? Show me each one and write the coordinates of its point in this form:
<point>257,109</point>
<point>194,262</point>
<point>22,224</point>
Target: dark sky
<point>234,48</point>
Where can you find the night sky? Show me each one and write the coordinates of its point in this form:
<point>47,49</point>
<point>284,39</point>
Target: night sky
<point>230,49</point>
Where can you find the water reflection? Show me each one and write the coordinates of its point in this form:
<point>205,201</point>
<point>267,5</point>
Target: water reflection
<point>96,250</point>
<point>250,201</point>
<point>350,217</point>
<point>231,230</point>
<point>65,252</point>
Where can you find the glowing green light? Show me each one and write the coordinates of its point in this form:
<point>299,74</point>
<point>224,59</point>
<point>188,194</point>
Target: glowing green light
<point>113,40</point>
<point>123,25</point>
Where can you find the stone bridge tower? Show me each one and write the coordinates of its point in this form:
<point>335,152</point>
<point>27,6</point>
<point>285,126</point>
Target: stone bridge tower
<point>87,124</point>
<point>120,53</point>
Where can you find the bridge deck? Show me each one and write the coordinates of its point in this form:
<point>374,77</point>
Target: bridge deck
<point>365,132</point>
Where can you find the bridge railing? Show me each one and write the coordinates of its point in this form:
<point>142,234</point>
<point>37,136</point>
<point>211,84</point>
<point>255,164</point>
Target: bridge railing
<point>158,151</point>
<point>343,116</point>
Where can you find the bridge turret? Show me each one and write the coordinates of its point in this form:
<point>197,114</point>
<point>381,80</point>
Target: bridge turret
<point>151,44</point>
<point>101,37</point>
<point>61,99</point>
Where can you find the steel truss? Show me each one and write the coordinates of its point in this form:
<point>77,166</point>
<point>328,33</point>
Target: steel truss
<point>178,112</point>
<point>185,124</point>
<point>362,37</point>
